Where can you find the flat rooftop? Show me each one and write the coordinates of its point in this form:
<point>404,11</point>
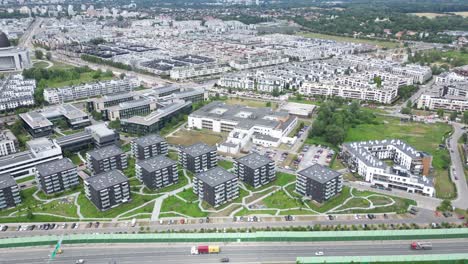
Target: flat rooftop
<point>6,180</point>
<point>198,149</point>
<point>254,160</point>
<point>106,179</point>
<point>106,152</point>
<point>55,166</point>
<point>156,163</point>
<point>149,140</point>
<point>319,173</point>
<point>215,176</point>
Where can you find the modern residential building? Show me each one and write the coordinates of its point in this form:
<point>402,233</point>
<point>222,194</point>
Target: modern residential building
<point>255,169</point>
<point>57,176</point>
<point>12,58</point>
<point>71,93</point>
<point>198,157</point>
<point>106,159</point>
<point>216,186</point>
<point>452,96</point>
<point>258,61</point>
<point>16,91</point>
<point>409,172</point>
<point>148,146</point>
<point>22,164</point>
<point>9,191</point>
<point>192,71</point>
<point>8,143</point>
<point>108,189</point>
<point>157,172</point>
<point>319,182</point>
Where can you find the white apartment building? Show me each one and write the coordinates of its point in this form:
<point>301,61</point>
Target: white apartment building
<point>8,143</point>
<point>187,72</point>
<point>15,91</point>
<point>258,61</point>
<point>419,74</point>
<point>452,96</point>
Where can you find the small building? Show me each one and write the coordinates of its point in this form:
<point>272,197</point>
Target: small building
<point>198,157</point>
<point>149,146</point>
<point>157,172</point>
<point>9,191</point>
<point>216,186</point>
<point>57,176</point>
<point>107,190</point>
<point>8,143</point>
<point>106,159</point>
<point>255,169</point>
<point>319,182</point>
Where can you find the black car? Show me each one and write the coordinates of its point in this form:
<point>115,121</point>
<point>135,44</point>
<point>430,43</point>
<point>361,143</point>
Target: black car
<point>96,225</point>
<point>52,226</point>
<point>73,225</point>
<point>224,260</point>
<point>330,217</point>
<point>4,228</point>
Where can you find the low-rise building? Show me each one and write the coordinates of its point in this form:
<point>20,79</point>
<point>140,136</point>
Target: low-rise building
<point>216,186</point>
<point>148,146</point>
<point>319,182</point>
<point>57,176</point>
<point>157,172</point>
<point>9,191</point>
<point>106,159</point>
<point>198,157</point>
<point>107,190</point>
<point>8,143</point>
<point>255,170</point>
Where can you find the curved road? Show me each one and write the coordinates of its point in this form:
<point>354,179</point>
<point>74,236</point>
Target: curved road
<point>281,252</point>
<point>457,168</point>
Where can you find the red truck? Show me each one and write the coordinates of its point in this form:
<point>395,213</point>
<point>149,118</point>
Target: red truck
<point>196,250</point>
<point>421,245</point>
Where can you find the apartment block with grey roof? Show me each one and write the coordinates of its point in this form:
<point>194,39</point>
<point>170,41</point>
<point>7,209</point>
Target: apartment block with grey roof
<point>157,172</point>
<point>57,176</point>
<point>9,191</point>
<point>255,170</point>
<point>149,146</point>
<point>108,190</point>
<point>198,157</point>
<point>216,186</point>
<point>106,159</point>
<point>318,182</point>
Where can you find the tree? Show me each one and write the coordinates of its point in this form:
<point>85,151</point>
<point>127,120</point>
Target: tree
<point>453,116</point>
<point>122,75</point>
<point>440,113</point>
<point>465,117</point>
<point>39,55</point>
<point>335,135</point>
<point>268,104</point>
<point>378,81</point>
<point>49,56</point>
<point>275,92</point>
<point>115,124</point>
<point>406,111</point>
<point>29,214</point>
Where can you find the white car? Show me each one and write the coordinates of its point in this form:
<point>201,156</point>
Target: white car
<point>319,253</point>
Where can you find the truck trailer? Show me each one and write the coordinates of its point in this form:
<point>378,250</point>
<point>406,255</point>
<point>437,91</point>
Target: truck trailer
<point>421,245</point>
<point>196,250</point>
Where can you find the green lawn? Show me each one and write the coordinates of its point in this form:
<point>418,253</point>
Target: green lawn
<point>88,209</point>
<point>76,159</point>
<point>173,203</point>
<point>145,209</point>
<point>333,202</point>
<point>40,64</point>
<point>126,147</point>
<point>26,179</point>
<point>245,212</point>
<point>86,77</point>
<point>401,206</point>
<point>380,43</point>
<point>130,170</point>
<point>188,195</point>
<point>379,200</point>
<point>284,178</point>
<point>173,155</point>
<point>424,137</point>
<point>225,164</point>
<point>169,215</point>
<point>280,200</point>
<point>296,212</point>
<point>356,202</point>
<point>45,196</point>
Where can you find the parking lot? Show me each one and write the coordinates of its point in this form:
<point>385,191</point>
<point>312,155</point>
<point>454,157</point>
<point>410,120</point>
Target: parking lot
<point>312,154</point>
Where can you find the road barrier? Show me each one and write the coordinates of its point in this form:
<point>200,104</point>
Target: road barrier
<point>436,258</point>
<point>238,237</point>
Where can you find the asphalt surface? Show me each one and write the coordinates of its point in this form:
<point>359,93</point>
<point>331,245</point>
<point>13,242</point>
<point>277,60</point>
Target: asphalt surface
<point>281,252</point>
<point>458,172</point>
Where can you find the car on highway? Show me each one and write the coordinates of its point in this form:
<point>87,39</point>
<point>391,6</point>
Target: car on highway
<point>80,261</point>
<point>319,253</point>
<point>224,260</point>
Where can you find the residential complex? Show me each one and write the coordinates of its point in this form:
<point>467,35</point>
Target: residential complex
<point>148,146</point>
<point>255,170</point>
<point>216,186</point>
<point>108,189</point>
<point>410,171</point>
<point>198,157</point>
<point>106,159</point>
<point>57,176</point>
<point>319,183</point>
<point>15,91</point>
<point>8,143</point>
<point>9,191</point>
<point>12,58</point>
<point>157,172</point>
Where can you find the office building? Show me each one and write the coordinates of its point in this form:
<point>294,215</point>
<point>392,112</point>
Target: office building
<point>216,186</point>
<point>319,182</point>
<point>12,58</point>
<point>106,159</point>
<point>108,189</point>
<point>96,136</point>
<point>148,146</point>
<point>198,157</point>
<point>57,176</point>
<point>9,191</point>
<point>255,170</point>
<point>140,107</point>
<point>157,172</point>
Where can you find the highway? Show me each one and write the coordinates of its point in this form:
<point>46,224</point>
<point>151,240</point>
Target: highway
<point>280,252</point>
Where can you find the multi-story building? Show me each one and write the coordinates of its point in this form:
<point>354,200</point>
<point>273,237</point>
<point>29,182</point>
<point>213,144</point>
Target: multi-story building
<point>198,157</point>
<point>71,93</point>
<point>22,164</point>
<point>15,91</point>
<point>258,61</point>
<point>57,176</point>
<point>452,96</point>
<point>148,146</point>
<point>97,136</point>
<point>319,182</point>
<point>8,143</point>
<point>255,169</point>
<point>129,109</point>
<point>12,58</point>
<point>216,186</point>
<point>157,172</point>
<point>419,74</point>
<point>101,103</point>
<point>409,172</point>
<point>108,189</point>
<point>192,71</point>
<point>106,159</point>
<point>9,191</point>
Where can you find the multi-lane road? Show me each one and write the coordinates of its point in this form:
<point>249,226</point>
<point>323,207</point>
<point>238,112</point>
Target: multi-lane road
<point>280,252</point>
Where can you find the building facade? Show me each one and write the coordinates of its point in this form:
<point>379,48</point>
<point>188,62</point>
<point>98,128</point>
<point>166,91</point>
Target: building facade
<point>12,58</point>
<point>148,146</point>
<point>216,186</point>
<point>106,159</point>
<point>57,176</point>
<point>198,157</point>
<point>9,191</point>
<point>8,143</point>
<point>319,183</point>
<point>157,172</point>
<point>255,170</point>
<point>107,190</point>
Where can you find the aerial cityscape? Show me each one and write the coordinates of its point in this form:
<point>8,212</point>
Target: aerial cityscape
<point>241,131</point>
